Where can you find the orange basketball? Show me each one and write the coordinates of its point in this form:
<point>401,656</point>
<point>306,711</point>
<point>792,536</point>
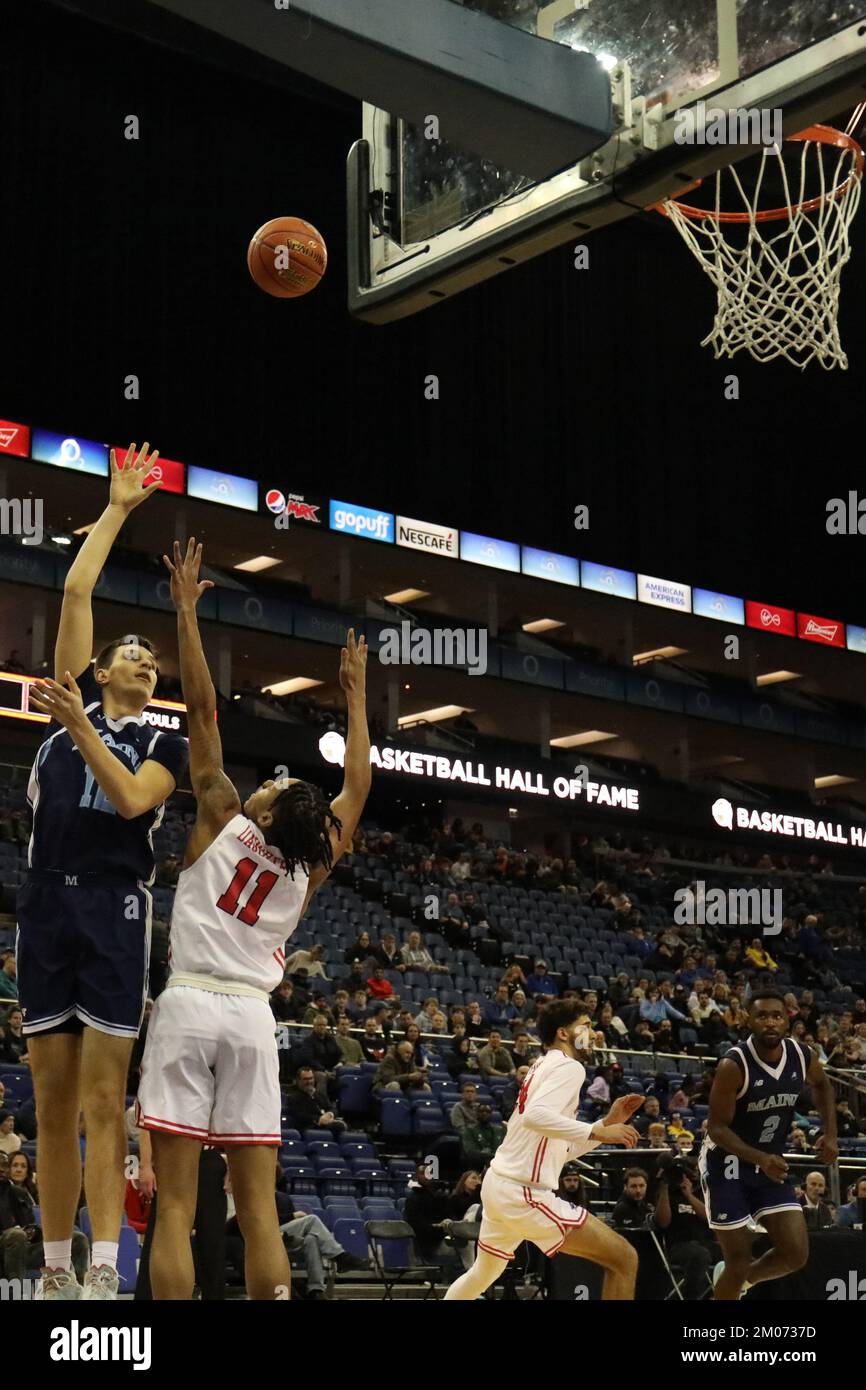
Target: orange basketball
<point>287,257</point>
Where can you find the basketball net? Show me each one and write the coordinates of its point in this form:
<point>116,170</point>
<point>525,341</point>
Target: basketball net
<point>777,271</point>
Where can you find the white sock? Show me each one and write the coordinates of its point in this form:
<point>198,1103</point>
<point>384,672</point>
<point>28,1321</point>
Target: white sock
<point>58,1254</point>
<point>485,1271</point>
<point>104,1253</point>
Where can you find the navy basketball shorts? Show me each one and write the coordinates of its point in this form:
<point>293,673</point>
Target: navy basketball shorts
<point>83,950</point>
<point>732,1202</point>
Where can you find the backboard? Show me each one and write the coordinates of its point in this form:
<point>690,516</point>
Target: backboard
<point>428,220</point>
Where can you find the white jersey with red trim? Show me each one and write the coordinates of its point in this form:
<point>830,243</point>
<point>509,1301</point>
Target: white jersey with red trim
<point>542,1133</point>
<point>234,910</point>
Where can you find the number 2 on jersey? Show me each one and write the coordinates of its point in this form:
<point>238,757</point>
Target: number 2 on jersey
<point>249,913</point>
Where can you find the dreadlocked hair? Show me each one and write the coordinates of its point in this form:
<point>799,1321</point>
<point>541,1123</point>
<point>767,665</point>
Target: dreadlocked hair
<point>302,819</point>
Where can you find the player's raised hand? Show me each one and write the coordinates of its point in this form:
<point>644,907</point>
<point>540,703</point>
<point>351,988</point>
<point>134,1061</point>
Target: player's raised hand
<point>186,587</point>
<point>353,665</point>
<point>623,1108</point>
<point>61,702</point>
<point>625,1135</point>
<point>127,483</point>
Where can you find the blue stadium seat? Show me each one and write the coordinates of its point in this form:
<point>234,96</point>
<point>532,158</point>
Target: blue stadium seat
<point>352,1236</point>
<point>396,1116</point>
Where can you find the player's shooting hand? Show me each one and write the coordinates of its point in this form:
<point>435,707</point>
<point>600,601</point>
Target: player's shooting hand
<point>127,483</point>
<point>623,1108</point>
<point>61,702</point>
<point>186,587</point>
<point>774,1166</point>
<point>826,1149</point>
<point>353,665</point>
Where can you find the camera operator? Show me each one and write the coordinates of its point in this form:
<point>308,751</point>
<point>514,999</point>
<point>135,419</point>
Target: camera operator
<point>682,1216</point>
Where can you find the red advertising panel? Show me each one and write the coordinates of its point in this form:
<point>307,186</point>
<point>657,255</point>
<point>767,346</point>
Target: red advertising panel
<point>825,630</point>
<point>170,474</point>
<point>768,618</point>
<point>14,439</point>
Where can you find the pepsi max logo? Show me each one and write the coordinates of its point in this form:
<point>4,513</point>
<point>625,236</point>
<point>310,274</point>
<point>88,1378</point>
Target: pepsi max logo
<point>275,501</point>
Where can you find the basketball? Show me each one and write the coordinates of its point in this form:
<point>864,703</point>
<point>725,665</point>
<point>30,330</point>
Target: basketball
<point>287,257</point>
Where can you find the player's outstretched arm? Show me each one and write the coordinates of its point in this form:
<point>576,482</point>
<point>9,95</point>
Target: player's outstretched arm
<point>349,804</point>
<point>216,798</point>
<point>824,1101</point>
<point>74,646</point>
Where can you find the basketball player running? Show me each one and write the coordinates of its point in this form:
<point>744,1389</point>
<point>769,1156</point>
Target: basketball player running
<point>84,911</point>
<point>743,1174</point>
<point>210,1071</point>
<point>519,1190</point>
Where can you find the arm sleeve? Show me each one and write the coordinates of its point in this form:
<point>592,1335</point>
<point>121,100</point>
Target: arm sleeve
<point>172,752</point>
<point>543,1112</point>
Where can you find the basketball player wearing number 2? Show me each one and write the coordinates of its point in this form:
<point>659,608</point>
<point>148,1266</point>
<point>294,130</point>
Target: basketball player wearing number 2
<point>518,1195</point>
<point>210,1072</point>
<point>744,1173</point>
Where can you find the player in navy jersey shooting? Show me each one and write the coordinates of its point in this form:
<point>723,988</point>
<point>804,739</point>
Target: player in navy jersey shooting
<point>96,790</point>
<point>743,1170</point>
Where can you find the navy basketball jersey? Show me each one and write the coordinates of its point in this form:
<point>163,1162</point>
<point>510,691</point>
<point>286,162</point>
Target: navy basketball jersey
<point>768,1096</point>
<point>75,827</point>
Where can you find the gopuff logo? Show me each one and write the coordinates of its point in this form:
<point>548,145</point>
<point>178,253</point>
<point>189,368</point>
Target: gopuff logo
<point>361,522</point>
<point>723,813</point>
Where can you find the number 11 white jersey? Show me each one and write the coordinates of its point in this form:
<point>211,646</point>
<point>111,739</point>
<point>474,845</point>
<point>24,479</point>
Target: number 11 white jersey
<point>235,908</point>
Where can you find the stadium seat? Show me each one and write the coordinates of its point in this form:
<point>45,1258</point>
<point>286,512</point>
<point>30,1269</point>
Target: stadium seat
<point>350,1233</point>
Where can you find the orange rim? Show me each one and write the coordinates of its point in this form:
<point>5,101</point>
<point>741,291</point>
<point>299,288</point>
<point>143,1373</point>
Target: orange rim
<point>819,135</point>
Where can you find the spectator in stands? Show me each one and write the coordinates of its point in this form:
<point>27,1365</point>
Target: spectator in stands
<point>415,955</point>
<point>462,1056</point>
<point>509,1094</point>
<point>524,1009</point>
<point>420,1053</point>
<point>760,957</point>
<point>514,980</point>
<point>494,1060</point>
<point>572,1187</point>
<point>360,951</point>
<point>378,987</point>
<point>310,961</point>
<point>656,1137</point>
<point>373,1043</point>
<point>846,1123</point>
<point>21,1173</point>
<point>21,1248</point>
<point>283,1005</point>
<point>635,941</point>
<point>350,1048</point>
<point>465,1194</point>
<point>340,1008</point>
<point>424,1019</point>
<point>168,871</point>
<point>398,1071</point>
<point>466,1109</point>
<point>524,1052</point>
<point>853,1214</point>
<point>633,1211</point>
<point>540,982</point>
<point>8,976</point>
<point>642,1036</point>
<point>650,1113</point>
<point>358,1007</point>
<point>307,1108</point>
<point>480,1138</point>
<point>598,1092</point>
<point>10,1142</point>
<point>662,956</point>
<point>811,1196</point>
<point>387,953</point>
<point>474,1021</point>
<point>499,1012</point>
<point>655,1008</point>
<point>319,1008</point>
<point>13,1043</point>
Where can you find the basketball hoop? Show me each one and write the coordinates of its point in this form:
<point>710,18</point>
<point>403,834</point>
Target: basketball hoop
<point>778,292</point>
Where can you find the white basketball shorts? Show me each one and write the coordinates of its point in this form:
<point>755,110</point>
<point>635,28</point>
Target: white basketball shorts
<point>513,1212</point>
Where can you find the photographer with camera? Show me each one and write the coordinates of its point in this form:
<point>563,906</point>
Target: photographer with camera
<point>682,1216</point>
